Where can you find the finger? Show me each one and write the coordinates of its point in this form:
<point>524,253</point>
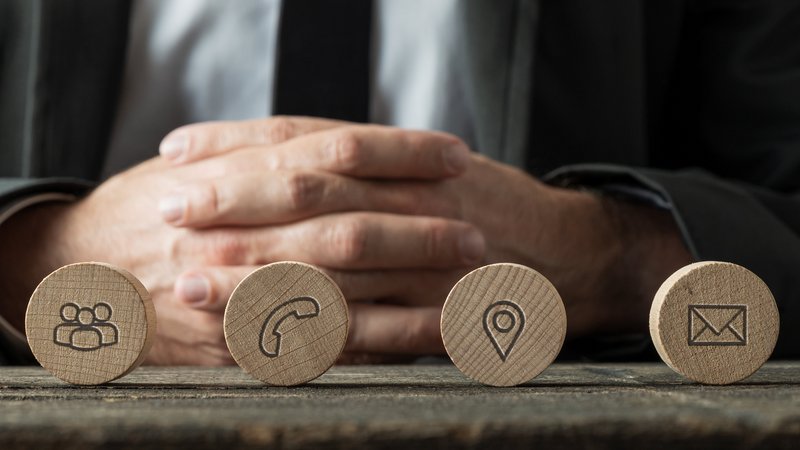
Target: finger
<point>188,337</point>
<point>400,287</point>
<point>365,151</point>
<point>209,288</point>
<point>390,329</point>
<point>287,196</point>
<point>372,151</point>
<point>204,140</point>
<point>345,241</point>
<point>375,241</point>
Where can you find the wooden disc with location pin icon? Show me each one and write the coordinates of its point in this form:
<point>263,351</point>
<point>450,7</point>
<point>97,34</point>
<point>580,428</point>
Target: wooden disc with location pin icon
<point>90,323</point>
<point>503,324</point>
<point>286,323</point>
<point>714,322</point>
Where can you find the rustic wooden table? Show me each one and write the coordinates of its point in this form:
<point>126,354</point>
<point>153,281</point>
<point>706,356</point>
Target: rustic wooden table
<point>568,406</point>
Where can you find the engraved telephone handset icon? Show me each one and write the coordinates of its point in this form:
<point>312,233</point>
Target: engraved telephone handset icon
<point>300,308</point>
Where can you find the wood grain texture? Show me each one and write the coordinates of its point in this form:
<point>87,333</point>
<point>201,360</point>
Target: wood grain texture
<point>503,324</point>
<point>286,323</point>
<point>90,323</point>
<point>568,406</point>
<point>714,322</point>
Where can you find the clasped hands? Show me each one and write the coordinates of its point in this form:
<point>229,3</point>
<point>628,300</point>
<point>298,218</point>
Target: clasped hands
<point>394,216</point>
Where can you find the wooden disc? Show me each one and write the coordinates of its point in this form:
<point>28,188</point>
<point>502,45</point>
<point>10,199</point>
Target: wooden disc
<point>503,324</point>
<point>286,323</point>
<point>714,322</point>
<point>90,323</point>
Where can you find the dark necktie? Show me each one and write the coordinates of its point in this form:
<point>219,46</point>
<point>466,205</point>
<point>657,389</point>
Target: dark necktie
<point>324,59</point>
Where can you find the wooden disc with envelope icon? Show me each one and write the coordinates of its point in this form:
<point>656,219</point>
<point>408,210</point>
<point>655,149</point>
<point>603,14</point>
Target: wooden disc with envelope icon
<point>714,322</point>
<point>90,323</point>
<point>286,323</point>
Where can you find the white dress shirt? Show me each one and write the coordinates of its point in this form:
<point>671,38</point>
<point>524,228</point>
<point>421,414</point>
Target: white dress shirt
<point>198,60</point>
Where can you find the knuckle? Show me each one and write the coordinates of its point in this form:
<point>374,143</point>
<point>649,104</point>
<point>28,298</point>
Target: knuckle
<point>303,190</point>
<point>225,248</point>
<point>345,149</point>
<point>417,142</point>
<point>435,238</point>
<point>177,244</point>
<point>216,293</point>
<point>414,141</point>
<point>278,129</point>
<point>348,240</point>
<point>208,205</point>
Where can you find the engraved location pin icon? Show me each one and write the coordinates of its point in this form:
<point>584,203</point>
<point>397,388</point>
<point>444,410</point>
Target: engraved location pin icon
<point>503,322</point>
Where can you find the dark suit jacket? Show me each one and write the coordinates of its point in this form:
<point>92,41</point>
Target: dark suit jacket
<point>697,101</point>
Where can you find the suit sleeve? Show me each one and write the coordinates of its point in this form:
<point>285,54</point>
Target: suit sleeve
<point>13,190</point>
<point>17,194</point>
<point>733,183</point>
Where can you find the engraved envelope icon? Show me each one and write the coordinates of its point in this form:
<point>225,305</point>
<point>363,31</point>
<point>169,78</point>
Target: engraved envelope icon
<point>718,325</point>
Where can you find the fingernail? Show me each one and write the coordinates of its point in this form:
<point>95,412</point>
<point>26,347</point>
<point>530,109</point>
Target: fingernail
<point>173,146</point>
<point>472,246</point>
<point>172,208</point>
<point>456,158</point>
<point>193,289</point>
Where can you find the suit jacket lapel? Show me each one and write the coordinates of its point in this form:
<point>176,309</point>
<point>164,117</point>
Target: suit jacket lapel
<point>589,94</point>
<point>79,57</point>
<point>498,38</point>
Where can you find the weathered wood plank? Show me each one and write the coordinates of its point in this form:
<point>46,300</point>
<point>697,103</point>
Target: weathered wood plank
<point>568,406</point>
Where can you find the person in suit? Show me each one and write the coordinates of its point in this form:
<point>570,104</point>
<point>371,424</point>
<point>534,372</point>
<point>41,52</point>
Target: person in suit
<point>604,145</point>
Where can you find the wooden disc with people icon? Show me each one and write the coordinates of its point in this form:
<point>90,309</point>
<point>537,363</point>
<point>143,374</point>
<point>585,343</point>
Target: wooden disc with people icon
<point>90,323</point>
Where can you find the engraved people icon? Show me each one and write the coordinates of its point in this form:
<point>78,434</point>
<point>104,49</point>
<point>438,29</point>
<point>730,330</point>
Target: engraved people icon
<point>503,322</point>
<point>84,328</point>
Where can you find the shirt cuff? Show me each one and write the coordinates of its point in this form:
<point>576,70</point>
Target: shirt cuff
<point>14,338</point>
